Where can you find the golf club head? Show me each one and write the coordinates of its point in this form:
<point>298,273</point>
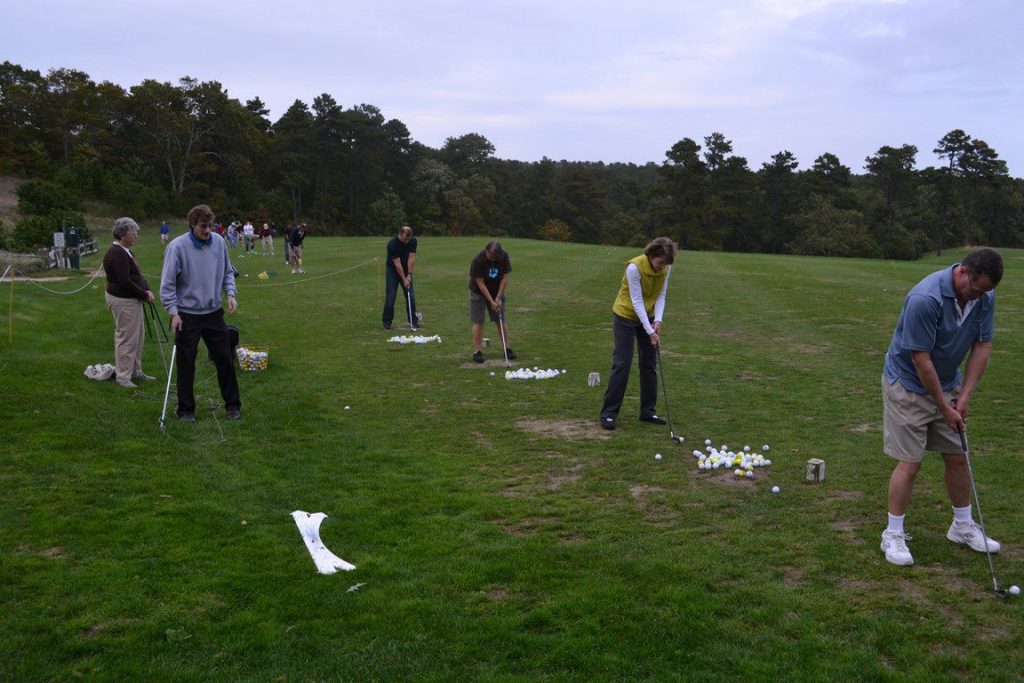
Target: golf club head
<point>1002,593</point>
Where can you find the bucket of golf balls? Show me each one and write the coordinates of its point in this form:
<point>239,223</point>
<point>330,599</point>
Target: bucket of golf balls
<point>253,357</point>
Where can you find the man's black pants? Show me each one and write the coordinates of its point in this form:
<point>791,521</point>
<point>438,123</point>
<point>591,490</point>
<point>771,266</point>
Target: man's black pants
<point>211,328</point>
<point>391,293</point>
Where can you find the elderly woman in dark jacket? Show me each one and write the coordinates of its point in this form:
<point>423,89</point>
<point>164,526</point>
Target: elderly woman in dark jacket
<point>126,292</point>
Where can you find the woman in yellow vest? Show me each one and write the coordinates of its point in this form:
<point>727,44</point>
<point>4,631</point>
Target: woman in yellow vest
<point>636,314</point>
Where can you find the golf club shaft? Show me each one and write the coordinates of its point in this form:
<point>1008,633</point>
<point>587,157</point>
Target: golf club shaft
<point>977,504</point>
<point>408,301</point>
<point>501,327</point>
<point>167,391</point>
<point>664,390</point>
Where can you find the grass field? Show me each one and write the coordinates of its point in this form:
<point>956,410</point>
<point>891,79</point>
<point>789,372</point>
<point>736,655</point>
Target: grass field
<point>498,532</point>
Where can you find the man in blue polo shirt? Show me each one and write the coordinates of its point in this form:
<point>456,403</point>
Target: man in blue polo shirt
<point>947,316</point>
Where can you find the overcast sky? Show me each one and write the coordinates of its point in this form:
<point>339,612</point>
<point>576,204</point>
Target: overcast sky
<point>580,79</point>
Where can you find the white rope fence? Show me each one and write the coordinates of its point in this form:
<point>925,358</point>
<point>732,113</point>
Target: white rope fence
<point>316,277</point>
<point>53,291</point>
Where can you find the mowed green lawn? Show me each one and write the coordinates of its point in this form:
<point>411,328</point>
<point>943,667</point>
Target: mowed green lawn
<point>498,533</point>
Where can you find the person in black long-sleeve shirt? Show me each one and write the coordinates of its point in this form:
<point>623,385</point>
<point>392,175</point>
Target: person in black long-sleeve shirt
<point>125,293</point>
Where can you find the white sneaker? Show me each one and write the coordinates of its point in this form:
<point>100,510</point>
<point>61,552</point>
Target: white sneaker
<point>969,533</point>
<point>894,545</point>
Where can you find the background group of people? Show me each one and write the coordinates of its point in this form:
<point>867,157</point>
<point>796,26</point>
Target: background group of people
<point>947,317</point>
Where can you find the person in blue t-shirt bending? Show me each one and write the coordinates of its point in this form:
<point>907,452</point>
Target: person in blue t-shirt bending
<point>947,316</point>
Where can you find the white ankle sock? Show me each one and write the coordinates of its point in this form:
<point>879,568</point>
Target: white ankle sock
<point>962,514</point>
<point>896,523</point>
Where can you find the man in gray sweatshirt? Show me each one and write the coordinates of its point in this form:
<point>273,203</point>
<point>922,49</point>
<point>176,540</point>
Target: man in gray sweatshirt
<point>196,268</point>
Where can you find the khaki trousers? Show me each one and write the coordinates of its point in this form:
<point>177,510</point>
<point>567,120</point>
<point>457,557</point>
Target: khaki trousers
<point>128,336</point>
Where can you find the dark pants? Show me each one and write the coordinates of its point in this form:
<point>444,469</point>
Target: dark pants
<point>212,329</point>
<point>393,283</point>
<point>625,332</point>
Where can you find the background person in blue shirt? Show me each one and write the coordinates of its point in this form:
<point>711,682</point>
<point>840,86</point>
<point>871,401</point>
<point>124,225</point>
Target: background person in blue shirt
<point>945,317</point>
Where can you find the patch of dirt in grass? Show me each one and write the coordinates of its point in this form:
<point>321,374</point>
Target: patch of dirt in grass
<point>497,593</point>
<point>792,576</point>
<point>526,526</point>
<point>482,439</point>
<point>810,348</point>
<point>754,376</point>
<point>570,539</point>
<point>655,512</point>
<point>863,428</point>
<point>910,589</point>
<point>94,630</point>
<point>56,552</point>
<point>724,477</point>
<point>951,577</point>
<point>555,481</point>
<point>847,495</point>
<point>856,585</point>
<point>848,527</point>
<point>564,429</point>
<point>640,491</point>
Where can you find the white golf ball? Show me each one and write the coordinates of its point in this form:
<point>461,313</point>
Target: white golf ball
<point>775,489</point>
<point>492,374</point>
<point>657,456</point>
<point>764,447</point>
<point>707,442</point>
<point>1014,590</point>
<point>346,407</point>
<point>746,449</point>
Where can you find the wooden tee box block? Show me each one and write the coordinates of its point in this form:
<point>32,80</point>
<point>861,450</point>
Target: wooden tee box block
<point>815,470</point>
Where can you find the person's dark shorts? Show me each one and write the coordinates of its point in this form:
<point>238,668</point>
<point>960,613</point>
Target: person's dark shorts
<point>477,306</point>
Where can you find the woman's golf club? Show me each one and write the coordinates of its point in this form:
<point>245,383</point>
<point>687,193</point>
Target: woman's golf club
<point>664,387</point>
<point>501,323</point>
<point>1000,592</point>
<point>167,391</point>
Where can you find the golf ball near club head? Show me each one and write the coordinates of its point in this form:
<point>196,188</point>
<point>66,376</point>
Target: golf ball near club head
<point>1014,590</point>
<point>775,489</point>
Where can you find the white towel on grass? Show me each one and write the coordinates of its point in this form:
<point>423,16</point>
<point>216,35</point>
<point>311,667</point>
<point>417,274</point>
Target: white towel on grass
<point>309,526</point>
<point>101,372</point>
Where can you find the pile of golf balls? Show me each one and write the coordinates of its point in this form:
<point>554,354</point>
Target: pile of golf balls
<point>418,339</point>
<point>743,461</point>
<point>536,373</point>
<point>251,360</point>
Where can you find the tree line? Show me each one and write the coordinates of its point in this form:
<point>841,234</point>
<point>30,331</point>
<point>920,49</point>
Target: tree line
<point>160,147</point>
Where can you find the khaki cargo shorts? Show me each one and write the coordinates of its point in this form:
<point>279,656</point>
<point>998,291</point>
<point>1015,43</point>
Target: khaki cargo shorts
<point>912,424</point>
